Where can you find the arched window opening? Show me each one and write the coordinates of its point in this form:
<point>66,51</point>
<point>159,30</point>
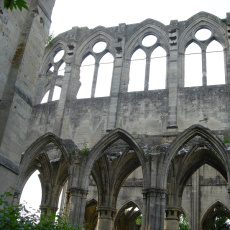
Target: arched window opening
<point>99,47</point>
<point>58,56</point>
<point>215,64</point>
<point>104,77</point>
<point>149,40</point>
<point>55,97</point>
<point>217,217</point>
<point>129,218</point>
<point>203,34</point>
<point>32,193</point>
<point>86,77</point>
<point>61,69</point>
<point>45,98</point>
<point>193,66</point>
<point>205,180</point>
<point>56,93</point>
<point>51,68</point>
<point>157,76</point>
<point>137,71</point>
<point>62,200</point>
<point>91,214</point>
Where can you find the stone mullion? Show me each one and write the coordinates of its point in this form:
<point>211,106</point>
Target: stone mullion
<point>95,79</point>
<point>62,100</point>
<point>204,68</point>
<point>147,72</point>
<point>53,82</point>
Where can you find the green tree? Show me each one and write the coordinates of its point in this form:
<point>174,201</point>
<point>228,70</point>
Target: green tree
<point>15,4</point>
<point>17,217</point>
<point>183,222</point>
<point>220,222</point>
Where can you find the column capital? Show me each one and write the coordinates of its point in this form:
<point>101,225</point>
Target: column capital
<point>106,212</point>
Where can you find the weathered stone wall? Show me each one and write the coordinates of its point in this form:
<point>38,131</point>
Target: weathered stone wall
<point>159,129</point>
<point>23,35</point>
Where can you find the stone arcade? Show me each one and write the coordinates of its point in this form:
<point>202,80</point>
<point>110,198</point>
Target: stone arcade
<point>161,152</point>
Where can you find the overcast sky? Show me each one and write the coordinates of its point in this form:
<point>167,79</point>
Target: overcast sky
<point>89,13</point>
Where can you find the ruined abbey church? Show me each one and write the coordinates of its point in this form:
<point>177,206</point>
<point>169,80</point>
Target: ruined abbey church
<point>126,136</point>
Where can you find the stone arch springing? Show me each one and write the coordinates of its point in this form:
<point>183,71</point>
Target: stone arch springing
<point>200,21</point>
<point>213,211</point>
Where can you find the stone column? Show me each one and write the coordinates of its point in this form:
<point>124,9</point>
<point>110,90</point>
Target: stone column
<point>195,220</point>
<point>154,209</point>
<point>48,209</point>
<point>172,218</point>
<point>227,51</point>
<point>53,82</point>
<point>77,202</point>
<point>105,218</point>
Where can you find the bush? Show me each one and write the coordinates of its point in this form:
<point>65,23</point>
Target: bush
<point>17,217</point>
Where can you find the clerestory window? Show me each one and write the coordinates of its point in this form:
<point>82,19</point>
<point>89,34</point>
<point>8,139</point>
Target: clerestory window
<point>204,61</point>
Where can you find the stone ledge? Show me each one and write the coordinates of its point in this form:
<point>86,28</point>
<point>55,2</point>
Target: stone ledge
<point>9,164</point>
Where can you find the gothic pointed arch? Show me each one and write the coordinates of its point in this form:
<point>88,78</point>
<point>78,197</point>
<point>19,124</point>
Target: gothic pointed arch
<point>36,154</point>
<point>217,209</point>
<point>86,47</point>
<point>127,215</point>
<point>201,21</point>
<point>147,27</point>
<point>57,44</point>
<point>97,151</point>
<point>217,146</point>
<point>198,21</point>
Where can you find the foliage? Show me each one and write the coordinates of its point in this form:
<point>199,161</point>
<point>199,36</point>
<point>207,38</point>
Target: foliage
<point>11,4</point>
<point>49,39</point>
<point>220,222</point>
<point>16,216</point>
<point>183,222</point>
<point>85,150</point>
<point>226,140</point>
<point>139,220</point>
